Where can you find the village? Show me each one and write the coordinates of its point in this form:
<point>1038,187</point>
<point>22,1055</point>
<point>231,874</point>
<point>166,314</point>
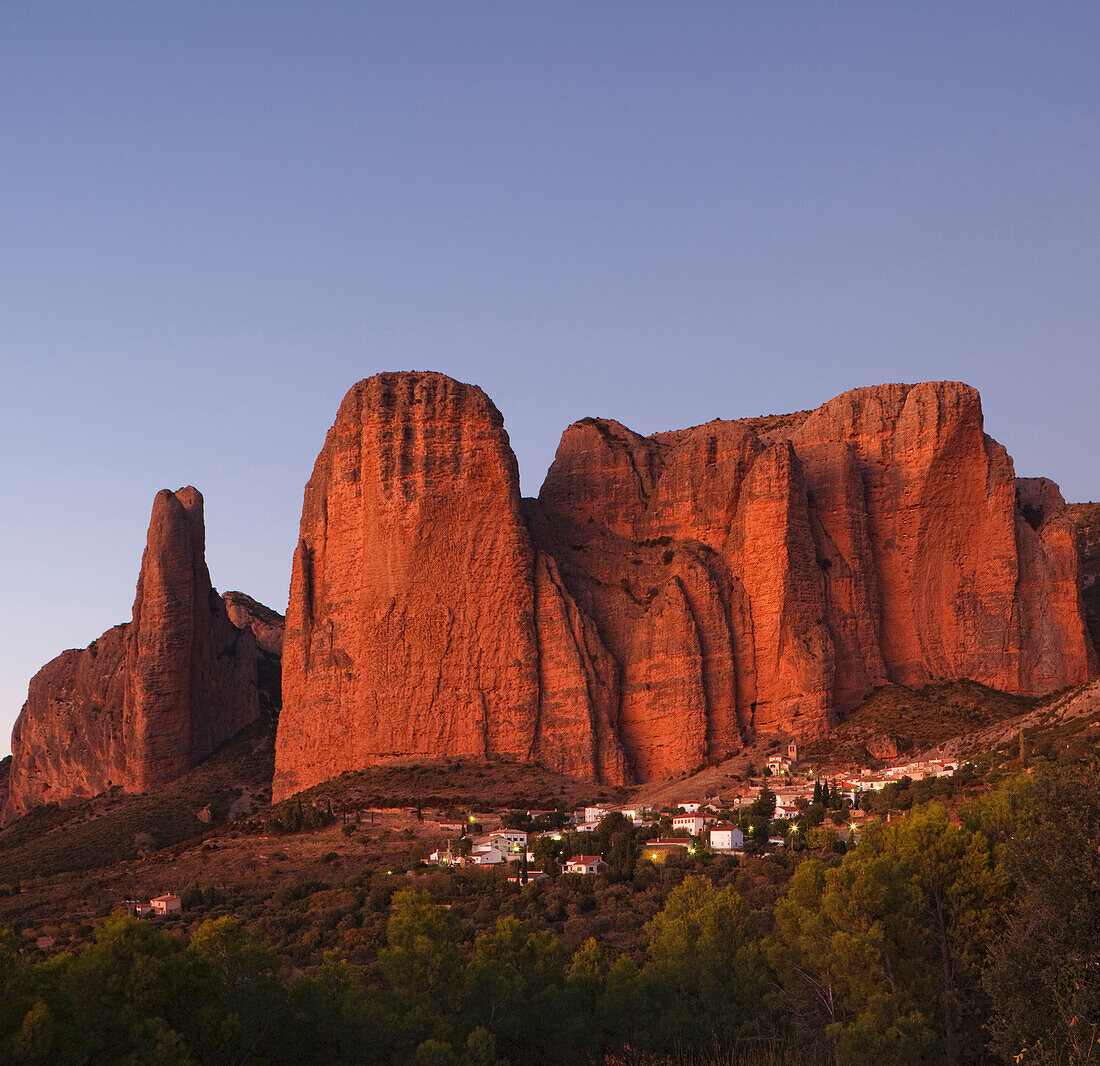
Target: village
<point>763,813</point>
<point>717,824</point>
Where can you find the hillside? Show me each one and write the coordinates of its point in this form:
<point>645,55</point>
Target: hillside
<point>115,827</point>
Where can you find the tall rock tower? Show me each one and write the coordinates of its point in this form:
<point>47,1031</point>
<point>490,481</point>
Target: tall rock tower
<point>146,701</point>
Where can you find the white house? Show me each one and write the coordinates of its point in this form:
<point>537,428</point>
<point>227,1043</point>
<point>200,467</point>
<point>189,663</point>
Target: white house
<point>167,904</point>
<point>689,808</point>
<point>584,864</point>
<point>725,836</point>
<point>487,856</point>
<point>690,823</point>
<point>509,839</point>
<point>596,812</point>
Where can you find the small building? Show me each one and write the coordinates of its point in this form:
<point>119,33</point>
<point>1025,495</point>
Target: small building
<point>532,875</point>
<point>690,823</point>
<point>486,856</point>
<point>166,904</point>
<point>725,836</point>
<point>584,864</point>
<point>779,764</point>
<point>689,808</point>
<point>452,827</point>
<point>598,810</point>
<point>509,840</point>
<point>792,751</point>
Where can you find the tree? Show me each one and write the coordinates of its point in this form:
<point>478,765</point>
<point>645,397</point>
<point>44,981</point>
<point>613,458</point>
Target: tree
<point>704,966</point>
<point>547,853</point>
<point>421,958</point>
<point>337,1019</point>
<point>1044,975</point>
<point>764,805</point>
<point>622,852</point>
<point>881,956</point>
<point>132,991</point>
<point>247,989</point>
<point>514,989</point>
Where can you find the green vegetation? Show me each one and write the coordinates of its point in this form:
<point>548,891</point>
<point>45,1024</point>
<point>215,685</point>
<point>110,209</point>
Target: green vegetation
<point>293,816</point>
<point>967,937</point>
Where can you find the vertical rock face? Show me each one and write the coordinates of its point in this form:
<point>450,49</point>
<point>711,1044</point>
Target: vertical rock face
<point>1086,517</point>
<point>148,700</point>
<point>882,537</point>
<point>666,596</point>
<point>413,626</point>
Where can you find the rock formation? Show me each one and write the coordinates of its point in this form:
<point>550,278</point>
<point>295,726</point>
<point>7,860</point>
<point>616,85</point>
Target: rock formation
<point>267,625</point>
<point>1086,517</point>
<point>418,618</point>
<point>666,596</point>
<point>150,699</point>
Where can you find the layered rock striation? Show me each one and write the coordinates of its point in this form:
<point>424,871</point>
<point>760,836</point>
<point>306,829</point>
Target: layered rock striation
<point>150,699</point>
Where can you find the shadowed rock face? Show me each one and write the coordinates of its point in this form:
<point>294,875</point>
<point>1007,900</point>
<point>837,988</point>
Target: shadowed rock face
<point>665,596</point>
<point>149,700</point>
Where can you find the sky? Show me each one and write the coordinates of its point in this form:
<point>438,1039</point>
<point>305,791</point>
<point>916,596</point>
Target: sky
<point>216,217</point>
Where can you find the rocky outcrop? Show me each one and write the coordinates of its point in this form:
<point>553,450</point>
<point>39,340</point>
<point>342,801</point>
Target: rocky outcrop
<point>666,596</point>
<point>414,625</point>
<point>150,699</point>
<point>267,625</point>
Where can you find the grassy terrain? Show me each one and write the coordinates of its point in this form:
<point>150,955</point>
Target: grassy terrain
<point>915,720</point>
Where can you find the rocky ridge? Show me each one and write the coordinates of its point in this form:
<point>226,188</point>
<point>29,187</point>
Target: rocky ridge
<point>666,597</point>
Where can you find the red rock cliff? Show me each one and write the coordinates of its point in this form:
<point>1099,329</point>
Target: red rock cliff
<point>666,596</point>
<point>146,701</point>
<point>421,619</point>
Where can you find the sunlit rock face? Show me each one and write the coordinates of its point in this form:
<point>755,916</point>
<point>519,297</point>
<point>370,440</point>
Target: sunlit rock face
<point>149,700</point>
<point>422,620</point>
<point>666,597</point>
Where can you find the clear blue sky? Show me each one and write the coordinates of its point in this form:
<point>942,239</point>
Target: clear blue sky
<point>215,217</point>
